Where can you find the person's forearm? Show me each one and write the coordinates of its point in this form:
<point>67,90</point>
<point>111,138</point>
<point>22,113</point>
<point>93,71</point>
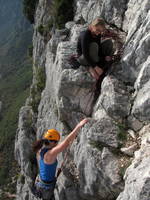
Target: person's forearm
<point>72,135</point>
<point>64,144</point>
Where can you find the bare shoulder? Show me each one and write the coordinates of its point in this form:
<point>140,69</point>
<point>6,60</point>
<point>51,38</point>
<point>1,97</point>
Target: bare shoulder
<point>49,157</point>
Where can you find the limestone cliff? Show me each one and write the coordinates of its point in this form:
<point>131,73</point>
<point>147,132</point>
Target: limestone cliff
<point>117,136</point>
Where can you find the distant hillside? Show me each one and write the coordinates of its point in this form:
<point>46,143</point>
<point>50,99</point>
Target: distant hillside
<point>15,78</point>
<point>15,35</point>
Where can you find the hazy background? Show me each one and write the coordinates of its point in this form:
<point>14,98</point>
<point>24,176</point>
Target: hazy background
<point>15,79</point>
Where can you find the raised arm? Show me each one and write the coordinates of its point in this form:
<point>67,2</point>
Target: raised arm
<point>64,144</point>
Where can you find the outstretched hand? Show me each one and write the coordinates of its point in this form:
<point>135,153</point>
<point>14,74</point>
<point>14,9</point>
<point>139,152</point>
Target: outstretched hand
<point>82,122</point>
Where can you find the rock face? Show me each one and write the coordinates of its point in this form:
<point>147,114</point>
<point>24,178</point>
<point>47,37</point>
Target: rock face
<point>141,109</point>
<point>95,161</point>
<point>137,177</point>
<point>23,152</point>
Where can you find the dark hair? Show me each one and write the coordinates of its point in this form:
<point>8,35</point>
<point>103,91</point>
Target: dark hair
<point>37,145</point>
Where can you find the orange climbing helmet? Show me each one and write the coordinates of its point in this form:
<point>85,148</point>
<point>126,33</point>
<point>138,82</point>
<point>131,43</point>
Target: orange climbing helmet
<point>52,134</point>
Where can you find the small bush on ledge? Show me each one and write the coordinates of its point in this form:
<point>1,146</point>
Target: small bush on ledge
<point>44,30</point>
<point>40,29</point>
<point>29,7</point>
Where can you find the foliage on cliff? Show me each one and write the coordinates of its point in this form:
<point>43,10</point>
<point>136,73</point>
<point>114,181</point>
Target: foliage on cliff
<point>62,12</point>
<point>37,88</point>
<point>29,8</point>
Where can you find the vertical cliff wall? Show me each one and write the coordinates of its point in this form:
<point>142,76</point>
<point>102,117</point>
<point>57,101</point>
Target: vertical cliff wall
<point>119,124</point>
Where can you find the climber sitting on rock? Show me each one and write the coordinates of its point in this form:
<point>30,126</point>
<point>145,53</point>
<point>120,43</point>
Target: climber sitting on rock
<point>47,150</point>
<point>95,48</point>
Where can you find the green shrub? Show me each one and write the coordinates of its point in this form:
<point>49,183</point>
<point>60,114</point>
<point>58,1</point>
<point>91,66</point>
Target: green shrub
<point>30,51</point>
<point>50,24</point>
<point>29,7</point>
<point>35,99</point>
<point>44,30</point>
<point>22,179</point>
<point>37,88</point>
<point>40,77</point>
<point>122,134</point>
<point>98,145</point>
<point>40,29</point>
<point>62,11</point>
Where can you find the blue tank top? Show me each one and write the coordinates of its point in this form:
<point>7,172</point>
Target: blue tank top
<point>47,171</point>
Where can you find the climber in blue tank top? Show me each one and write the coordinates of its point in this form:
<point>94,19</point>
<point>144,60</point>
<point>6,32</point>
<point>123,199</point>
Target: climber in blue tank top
<point>47,171</point>
<point>47,150</point>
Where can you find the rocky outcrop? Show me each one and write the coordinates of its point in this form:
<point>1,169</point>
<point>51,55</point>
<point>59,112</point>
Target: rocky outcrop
<point>23,152</point>
<point>96,162</point>
<point>114,98</point>
<point>137,178</point>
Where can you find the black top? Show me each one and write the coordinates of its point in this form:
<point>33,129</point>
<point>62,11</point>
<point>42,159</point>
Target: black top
<point>84,41</point>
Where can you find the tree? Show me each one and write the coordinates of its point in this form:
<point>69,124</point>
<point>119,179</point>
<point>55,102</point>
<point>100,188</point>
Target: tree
<point>29,7</point>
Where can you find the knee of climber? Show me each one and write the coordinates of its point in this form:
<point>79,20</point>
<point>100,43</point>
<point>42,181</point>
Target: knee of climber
<point>107,47</point>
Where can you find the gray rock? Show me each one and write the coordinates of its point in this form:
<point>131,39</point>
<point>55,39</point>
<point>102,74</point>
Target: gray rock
<point>98,169</point>
<point>75,31</point>
<point>137,43</point>
<point>132,133</point>
<point>74,88</point>
<point>114,98</point>
<point>68,189</point>
<point>134,123</point>
<point>69,25</point>
<point>103,132</point>
<point>23,145</point>
<point>145,134</point>
<point>144,75</point>
<point>131,21</point>
<point>129,150</point>
<point>113,11</point>
<point>23,191</point>
<point>137,180</point>
<point>141,108</point>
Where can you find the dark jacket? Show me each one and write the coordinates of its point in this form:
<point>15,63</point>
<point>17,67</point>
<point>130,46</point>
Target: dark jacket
<point>83,44</point>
